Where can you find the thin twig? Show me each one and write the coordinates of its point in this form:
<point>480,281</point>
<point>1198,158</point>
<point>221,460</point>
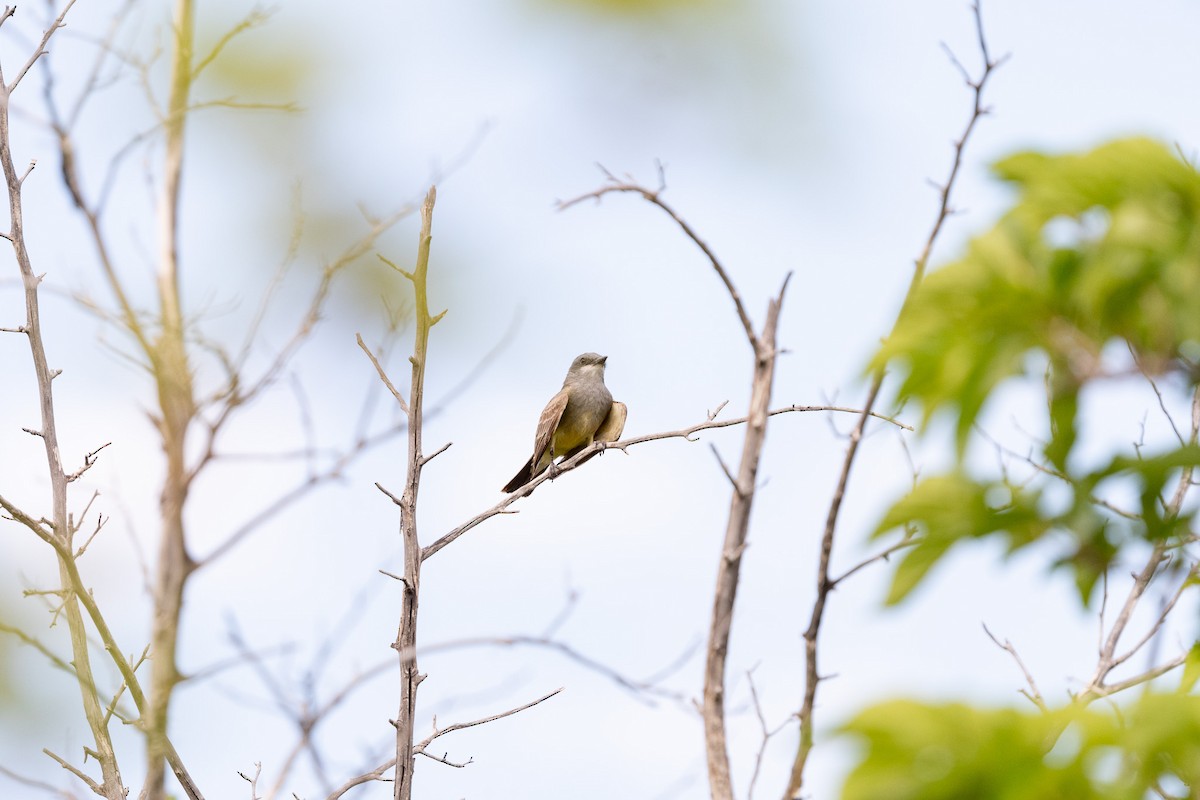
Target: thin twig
<point>824,581</point>
<point>420,746</point>
<point>764,732</point>
<point>1033,694</point>
<point>34,784</point>
<point>654,196</point>
<point>571,463</point>
<point>78,773</point>
<point>383,376</point>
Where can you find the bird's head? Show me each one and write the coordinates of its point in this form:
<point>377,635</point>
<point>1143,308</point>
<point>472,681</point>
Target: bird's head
<point>588,363</point>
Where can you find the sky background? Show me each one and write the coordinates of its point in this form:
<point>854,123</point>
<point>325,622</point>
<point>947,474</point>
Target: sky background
<point>797,137</point>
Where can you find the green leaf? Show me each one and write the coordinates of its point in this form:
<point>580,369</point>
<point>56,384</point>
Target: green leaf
<point>1152,475</point>
<point>954,751</point>
<point>1191,670</point>
<point>948,508</point>
<point>1099,246</point>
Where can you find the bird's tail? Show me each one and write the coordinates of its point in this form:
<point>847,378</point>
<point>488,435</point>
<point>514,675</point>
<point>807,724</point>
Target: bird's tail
<point>524,476</point>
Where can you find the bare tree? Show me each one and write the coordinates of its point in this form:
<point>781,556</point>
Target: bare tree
<point>166,344</point>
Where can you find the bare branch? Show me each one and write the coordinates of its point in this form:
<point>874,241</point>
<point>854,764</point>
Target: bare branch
<point>766,733</point>
<point>41,48</point>
<point>255,18</point>
<point>654,196</point>
<point>302,488</point>
<point>883,555</point>
<point>420,746</point>
<point>45,787</point>
<point>724,467</point>
<point>426,459</point>
<point>1107,690</point>
<point>442,759</point>
<point>824,581</point>
<point>406,633</point>
<point>640,689</point>
<point>1187,581</point>
<point>737,529</point>
<point>253,781</point>
<point>1033,694</point>
<point>367,777</point>
<point>89,461</point>
<point>382,374</point>
<point>78,773</point>
<point>573,462</point>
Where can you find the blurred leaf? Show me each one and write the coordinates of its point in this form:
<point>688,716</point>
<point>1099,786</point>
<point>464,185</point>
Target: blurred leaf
<point>1151,474</point>
<point>948,508</point>
<point>955,751</point>
<point>1064,405</point>
<point>1191,670</point>
<point>1162,733</point>
<point>259,68</point>
<point>966,330</point>
<point>1098,246</point>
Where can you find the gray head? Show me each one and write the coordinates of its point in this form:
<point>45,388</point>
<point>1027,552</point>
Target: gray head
<point>587,364</point>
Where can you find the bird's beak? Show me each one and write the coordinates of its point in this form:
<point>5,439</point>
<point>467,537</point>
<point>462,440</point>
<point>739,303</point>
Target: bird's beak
<point>603,359</point>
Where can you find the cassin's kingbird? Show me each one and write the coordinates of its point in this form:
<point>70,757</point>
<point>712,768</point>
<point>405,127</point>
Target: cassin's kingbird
<point>581,413</point>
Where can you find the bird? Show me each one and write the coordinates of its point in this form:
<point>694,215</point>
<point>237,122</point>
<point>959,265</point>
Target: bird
<point>581,413</point>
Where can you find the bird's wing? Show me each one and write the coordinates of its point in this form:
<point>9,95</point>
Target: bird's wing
<point>610,429</point>
<point>549,423</point>
<point>612,426</point>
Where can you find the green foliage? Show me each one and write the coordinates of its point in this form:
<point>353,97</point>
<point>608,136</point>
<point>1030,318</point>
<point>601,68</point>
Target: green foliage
<point>952,507</point>
<point>1098,248</point>
<point>1129,269</point>
<point>954,751</point>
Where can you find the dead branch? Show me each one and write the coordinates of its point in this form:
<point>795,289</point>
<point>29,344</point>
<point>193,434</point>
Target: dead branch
<point>419,747</point>
<point>654,196</point>
<point>382,375</point>
<point>1032,693</point>
<point>640,689</point>
<point>729,566</point>
<point>77,772</point>
<point>766,733</point>
<point>573,462</point>
<point>825,583</point>
<point>367,777</point>
<point>406,634</point>
<point>39,785</point>
<point>60,534</point>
